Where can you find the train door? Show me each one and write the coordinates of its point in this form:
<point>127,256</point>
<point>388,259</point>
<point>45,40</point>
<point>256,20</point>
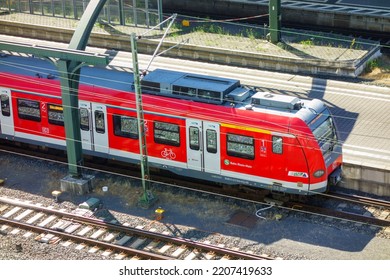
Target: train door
<point>212,151</point>
<point>203,151</point>
<point>194,144</point>
<point>99,132</point>
<point>6,116</point>
<point>86,125</point>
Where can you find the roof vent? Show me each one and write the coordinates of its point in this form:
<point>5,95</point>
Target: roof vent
<point>278,101</point>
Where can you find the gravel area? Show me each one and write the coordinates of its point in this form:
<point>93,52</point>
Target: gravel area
<point>278,233</point>
<point>297,44</point>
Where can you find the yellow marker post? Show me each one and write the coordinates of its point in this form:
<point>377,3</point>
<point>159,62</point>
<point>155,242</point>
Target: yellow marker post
<point>56,194</point>
<point>159,214</point>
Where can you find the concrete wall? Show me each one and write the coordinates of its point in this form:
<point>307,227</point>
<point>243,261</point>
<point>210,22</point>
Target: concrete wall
<point>366,179</point>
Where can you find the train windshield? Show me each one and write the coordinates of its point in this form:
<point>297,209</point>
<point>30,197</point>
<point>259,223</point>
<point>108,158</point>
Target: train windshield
<point>325,133</point>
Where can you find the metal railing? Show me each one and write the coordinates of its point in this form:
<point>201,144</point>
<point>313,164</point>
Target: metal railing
<point>124,12</point>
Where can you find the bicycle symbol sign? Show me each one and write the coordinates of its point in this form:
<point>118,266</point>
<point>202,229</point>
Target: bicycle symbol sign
<point>168,154</point>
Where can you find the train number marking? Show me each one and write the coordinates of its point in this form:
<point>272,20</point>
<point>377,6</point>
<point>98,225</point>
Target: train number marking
<point>298,174</point>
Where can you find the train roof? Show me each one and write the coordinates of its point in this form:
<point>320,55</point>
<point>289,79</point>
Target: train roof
<point>97,76</point>
<point>191,80</point>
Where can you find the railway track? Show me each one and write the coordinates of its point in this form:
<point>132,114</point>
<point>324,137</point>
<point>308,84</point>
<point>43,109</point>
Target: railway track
<point>370,211</point>
<point>361,199</point>
<point>82,228</point>
<point>243,193</point>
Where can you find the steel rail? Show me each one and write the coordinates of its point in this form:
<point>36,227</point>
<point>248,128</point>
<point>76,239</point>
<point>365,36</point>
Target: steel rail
<point>64,235</point>
<point>337,214</point>
<point>361,199</point>
<point>137,232</point>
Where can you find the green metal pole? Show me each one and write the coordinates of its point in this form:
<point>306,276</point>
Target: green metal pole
<point>70,71</point>
<point>147,14</point>
<point>135,19</point>
<point>69,77</point>
<point>81,35</point>
<point>147,199</point>
<point>70,103</point>
<point>160,13</point>
<point>275,18</point>
<point>121,13</point>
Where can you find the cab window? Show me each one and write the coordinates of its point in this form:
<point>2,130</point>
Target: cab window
<point>277,145</point>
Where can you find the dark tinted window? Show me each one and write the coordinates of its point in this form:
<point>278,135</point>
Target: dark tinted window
<point>84,119</point>
<point>211,141</point>
<point>5,106</point>
<point>99,122</point>
<point>277,144</point>
<point>125,126</point>
<point>194,138</point>
<point>29,110</point>
<point>240,146</point>
<point>167,133</point>
<point>55,114</point>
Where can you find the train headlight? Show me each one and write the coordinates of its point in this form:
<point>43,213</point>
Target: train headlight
<point>319,173</point>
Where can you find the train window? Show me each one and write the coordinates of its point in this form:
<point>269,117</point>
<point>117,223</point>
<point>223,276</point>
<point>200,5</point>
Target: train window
<point>277,144</point>
<point>99,122</point>
<point>209,95</point>
<point>29,110</point>
<point>240,146</point>
<point>56,114</point>
<point>84,119</point>
<point>211,141</point>
<point>125,126</point>
<point>186,91</point>
<point>5,106</point>
<point>194,138</point>
<point>167,133</point>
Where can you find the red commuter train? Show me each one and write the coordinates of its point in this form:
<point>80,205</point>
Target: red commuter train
<point>198,126</point>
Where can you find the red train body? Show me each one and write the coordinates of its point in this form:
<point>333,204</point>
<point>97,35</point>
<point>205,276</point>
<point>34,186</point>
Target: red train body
<point>197,126</point>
